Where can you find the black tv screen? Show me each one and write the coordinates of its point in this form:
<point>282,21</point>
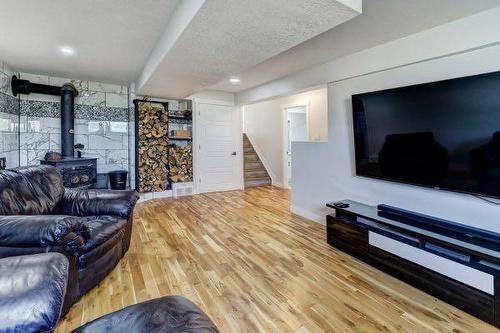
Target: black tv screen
<point>442,134</point>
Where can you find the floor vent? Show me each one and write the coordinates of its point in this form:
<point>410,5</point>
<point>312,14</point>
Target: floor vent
<point>182,189</point>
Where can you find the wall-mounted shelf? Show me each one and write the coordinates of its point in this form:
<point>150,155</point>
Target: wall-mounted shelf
<point>180,118</point>
<point>176,162</point>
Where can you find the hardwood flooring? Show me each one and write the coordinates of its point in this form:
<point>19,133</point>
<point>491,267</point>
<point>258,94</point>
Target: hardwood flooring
<point>255,267</point>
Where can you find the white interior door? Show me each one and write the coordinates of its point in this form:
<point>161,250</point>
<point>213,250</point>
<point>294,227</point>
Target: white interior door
<point>297,131</point>
<point>219,144</point>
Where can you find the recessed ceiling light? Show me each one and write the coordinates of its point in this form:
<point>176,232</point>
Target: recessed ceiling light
<point>66,50</point>
<point>235,80</point>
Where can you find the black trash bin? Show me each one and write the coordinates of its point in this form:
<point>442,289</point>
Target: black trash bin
<point>118,179</point>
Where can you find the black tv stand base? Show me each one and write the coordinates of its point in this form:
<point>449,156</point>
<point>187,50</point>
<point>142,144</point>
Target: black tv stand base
<point>463,274</point>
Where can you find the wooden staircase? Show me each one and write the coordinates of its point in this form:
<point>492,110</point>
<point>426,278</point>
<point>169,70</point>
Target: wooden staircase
<point>255,173</point>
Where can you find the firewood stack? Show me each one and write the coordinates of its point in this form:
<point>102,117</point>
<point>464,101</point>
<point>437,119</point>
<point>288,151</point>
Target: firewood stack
<point>153,147</point>
<point>180,163</point>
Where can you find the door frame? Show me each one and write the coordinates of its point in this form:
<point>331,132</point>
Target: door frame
<point>284,108</point>
<point>196,140</point>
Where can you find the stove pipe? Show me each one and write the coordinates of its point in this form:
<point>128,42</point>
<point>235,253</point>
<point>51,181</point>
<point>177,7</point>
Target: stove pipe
<point>68,94</point>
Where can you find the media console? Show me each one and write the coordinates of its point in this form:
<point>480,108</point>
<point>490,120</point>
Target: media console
<point>454,262</point>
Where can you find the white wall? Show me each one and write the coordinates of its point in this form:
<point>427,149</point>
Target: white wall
<point>215,95</point>
<point>263,123</point>
<point>325,172</point>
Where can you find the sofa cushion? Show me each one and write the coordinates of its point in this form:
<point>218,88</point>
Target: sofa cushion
<point>101,229</point>
<point>30,190</point>
<point>98,202</point>
<point>162,315</point>
<point>32,290</point>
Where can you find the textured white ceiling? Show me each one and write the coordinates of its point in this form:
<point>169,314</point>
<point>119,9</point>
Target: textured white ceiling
<point>258,40</point>
<point>112,38</point>
<point>380,22</point>
<point>229,36</point>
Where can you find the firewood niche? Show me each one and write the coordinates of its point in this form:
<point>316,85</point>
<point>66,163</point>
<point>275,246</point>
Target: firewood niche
<point>161,159</point>
<point>180,163</point>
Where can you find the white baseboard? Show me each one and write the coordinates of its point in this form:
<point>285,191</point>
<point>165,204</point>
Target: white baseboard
<point>155,195</point>
<point>277,183</point>
<point>308,215</point>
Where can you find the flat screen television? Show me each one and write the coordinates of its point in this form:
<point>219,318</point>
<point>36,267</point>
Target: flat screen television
<point>443,134</point>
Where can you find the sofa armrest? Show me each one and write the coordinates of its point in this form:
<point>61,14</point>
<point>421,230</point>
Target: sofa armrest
<point>99,202</point>
<point>42,231</point>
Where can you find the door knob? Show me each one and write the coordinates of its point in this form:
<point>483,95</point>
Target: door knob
<point>234,153</point>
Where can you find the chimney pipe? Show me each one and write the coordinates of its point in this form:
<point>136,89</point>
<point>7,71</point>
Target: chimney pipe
<point>68,94</point>
<point>26,87</point>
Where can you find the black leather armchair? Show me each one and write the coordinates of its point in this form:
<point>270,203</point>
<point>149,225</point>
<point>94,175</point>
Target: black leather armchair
<point>32,290</point>
<point>91,228</point>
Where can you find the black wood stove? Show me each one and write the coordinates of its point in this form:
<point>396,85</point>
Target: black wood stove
<point>77,172</point>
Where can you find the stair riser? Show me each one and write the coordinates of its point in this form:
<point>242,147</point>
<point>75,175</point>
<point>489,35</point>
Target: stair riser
<point>253,165</point>
<point>251,158</point>
<point>259,173</point>
<point>254,183</point>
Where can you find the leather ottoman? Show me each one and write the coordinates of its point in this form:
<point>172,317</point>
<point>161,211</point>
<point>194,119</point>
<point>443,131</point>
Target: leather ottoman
<point>32,290</point>
<point>168,314</point>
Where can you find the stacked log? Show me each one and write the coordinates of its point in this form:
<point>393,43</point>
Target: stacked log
<point>180,163</point>
<point>153,147</point>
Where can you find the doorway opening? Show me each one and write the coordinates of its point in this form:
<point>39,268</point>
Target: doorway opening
<point>296,130</point>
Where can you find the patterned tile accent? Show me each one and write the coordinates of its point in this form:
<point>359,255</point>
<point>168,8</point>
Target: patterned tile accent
<point>40,109</point>
<point>91,112</point>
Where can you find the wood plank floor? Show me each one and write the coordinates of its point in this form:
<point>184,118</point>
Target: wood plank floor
<point>255,267</point>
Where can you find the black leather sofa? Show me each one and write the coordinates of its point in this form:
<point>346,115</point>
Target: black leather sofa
<point>32,290</point>
<point>91,228</point>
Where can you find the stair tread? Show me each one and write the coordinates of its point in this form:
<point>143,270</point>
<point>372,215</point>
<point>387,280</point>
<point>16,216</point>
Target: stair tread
<point>257,166</point>
<point>260,177</point>
<point>259,181</point>
<point>250,184</point>
<point>262,170</point>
